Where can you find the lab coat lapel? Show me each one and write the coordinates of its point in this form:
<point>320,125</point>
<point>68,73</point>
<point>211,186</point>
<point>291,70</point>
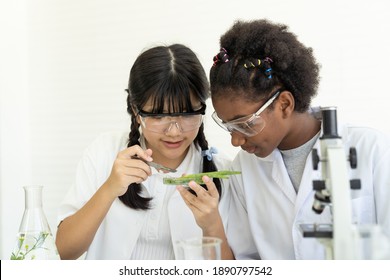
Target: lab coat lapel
<point>305,190</point>
<point>281,177</point>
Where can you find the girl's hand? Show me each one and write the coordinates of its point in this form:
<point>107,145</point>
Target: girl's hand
<point>127,170</point>
<point>204,205</point>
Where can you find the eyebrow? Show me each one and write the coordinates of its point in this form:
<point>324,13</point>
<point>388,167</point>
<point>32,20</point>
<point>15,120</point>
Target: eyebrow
<point>241,116</point>
<point>270,100</point>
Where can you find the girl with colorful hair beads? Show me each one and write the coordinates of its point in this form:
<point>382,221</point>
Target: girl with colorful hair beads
<point>262,83</point>
<point>119,207</point>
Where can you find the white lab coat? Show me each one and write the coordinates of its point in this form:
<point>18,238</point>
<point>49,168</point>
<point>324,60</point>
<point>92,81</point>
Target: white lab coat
<point>266,213</point>
<point>120,229</point>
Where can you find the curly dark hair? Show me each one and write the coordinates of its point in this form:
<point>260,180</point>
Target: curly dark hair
<point>166,75</point>
<point>259,56</point>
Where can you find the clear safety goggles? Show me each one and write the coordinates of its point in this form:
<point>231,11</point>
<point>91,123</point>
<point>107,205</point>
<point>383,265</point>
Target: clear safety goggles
<point>249,125</point>
<point>162,123</point>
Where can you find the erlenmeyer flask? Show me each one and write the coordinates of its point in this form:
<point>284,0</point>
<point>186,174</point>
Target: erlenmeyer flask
<point>34,239</point>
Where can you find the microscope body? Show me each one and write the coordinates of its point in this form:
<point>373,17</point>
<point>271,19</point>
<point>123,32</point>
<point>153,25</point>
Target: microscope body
<point>343,240</point>
<point>337,184</point>
<point>334,190</point>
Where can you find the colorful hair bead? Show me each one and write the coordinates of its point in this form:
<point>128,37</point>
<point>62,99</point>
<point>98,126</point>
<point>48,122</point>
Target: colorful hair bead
<point>265,63</point>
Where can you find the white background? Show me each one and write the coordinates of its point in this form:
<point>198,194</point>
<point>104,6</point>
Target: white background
<point>64,65</point>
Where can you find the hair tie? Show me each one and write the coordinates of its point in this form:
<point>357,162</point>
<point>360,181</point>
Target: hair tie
<point>209,153</point>
<point>221,56</point>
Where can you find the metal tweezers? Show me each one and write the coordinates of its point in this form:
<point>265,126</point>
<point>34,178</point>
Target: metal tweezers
<point>160,168</point>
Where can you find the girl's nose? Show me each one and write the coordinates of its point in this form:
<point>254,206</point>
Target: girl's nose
<point>173,129</point>
<point>237,139</point>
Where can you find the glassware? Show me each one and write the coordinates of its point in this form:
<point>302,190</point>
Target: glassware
<point>34,240</point>
<point>202,248</point>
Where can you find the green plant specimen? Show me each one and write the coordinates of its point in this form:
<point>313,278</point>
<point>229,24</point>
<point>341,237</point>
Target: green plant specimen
<point>184,180</point>
<point>24,248</point>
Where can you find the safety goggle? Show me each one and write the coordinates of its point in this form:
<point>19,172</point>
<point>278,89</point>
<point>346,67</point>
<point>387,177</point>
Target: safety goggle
<point>249,125</point>
<point>162,123</point>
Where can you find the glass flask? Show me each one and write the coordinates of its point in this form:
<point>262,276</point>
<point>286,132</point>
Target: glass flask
<point>199,248</point>
<point>34,240</point>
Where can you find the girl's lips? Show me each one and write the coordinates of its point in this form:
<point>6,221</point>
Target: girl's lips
<point>172,145</point>
<point>250,150</point>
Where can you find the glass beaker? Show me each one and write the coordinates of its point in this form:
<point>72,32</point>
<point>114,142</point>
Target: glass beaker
<point>199,248</point>
<point>34,240</point>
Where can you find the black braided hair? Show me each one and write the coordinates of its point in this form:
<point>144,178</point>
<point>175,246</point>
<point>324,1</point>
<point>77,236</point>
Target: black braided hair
<point>132,198</point>
<point>292,65</point>
<point>167,76</point>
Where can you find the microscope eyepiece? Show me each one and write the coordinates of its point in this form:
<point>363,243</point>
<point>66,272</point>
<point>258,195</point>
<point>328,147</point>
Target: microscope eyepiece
<point>329,123</point>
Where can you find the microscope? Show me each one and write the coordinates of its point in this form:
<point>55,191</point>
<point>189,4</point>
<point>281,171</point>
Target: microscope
<point>342,239</point>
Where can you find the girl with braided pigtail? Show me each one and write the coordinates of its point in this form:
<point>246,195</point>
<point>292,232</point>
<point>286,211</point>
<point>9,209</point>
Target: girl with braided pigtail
<point>119,207</point>
<point>262,83</point>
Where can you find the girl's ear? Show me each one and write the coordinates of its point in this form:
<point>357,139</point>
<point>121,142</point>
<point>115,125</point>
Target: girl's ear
<point>286,103</point>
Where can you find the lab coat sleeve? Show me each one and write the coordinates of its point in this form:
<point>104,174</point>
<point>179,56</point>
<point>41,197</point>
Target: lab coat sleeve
<point>373,166</point>
<point>81,191</point>
<point>238,229</point>
<point>381,175</point>
<point>92,170</point>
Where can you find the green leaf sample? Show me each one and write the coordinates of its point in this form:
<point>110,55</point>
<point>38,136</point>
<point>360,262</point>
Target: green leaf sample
<point>184,180</point>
